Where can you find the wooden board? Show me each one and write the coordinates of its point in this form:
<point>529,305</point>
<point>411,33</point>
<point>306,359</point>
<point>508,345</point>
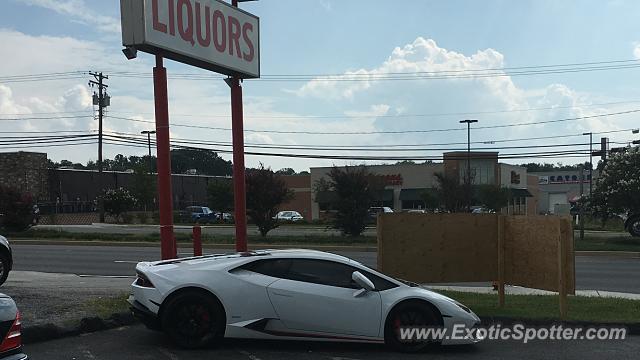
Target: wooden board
<point>435,248</point>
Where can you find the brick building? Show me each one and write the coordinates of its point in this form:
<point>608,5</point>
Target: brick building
<point>25,171</point>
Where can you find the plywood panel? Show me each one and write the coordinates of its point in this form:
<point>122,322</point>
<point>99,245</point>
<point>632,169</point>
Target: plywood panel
<point>433,248</point>
<point>532,246</point>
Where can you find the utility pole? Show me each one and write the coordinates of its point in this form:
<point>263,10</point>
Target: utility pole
<point>149,133</point>
<point>468,177</point>
<point>590,164</point>
<point>102,100</point>
<point>581,209</point>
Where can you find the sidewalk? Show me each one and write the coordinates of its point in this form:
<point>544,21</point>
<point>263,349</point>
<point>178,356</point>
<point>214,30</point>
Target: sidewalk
<point>518,290</point>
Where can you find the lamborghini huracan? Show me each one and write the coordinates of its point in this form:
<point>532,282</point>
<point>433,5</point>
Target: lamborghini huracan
<point>288,294</point>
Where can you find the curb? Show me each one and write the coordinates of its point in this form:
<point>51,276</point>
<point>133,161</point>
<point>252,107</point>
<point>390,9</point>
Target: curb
<point>185,245</point>
<point>632,328</point>
<point>46,332</point>
<point>623,254</point>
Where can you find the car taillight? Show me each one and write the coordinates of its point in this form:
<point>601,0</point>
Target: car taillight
<point>143,281</point>
<point>13,339</point>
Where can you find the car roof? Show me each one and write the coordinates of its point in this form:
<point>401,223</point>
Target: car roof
<point>269,253</point>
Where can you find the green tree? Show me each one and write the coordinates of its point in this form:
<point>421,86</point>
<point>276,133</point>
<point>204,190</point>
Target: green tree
<point>617,189</point>
<point>493,197</point>
<point>266,191</point>
<point>16,209</point>
<point>118,201</point>
<point>220,195</point>
<point>451,192</point>
<point>355,194</point>
<point>144,187</point>
<point>206,162</point>
<point>431,200</point>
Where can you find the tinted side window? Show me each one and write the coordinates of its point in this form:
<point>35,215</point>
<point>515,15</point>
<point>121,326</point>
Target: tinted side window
<point>321,272</point>
<point>270,267</point>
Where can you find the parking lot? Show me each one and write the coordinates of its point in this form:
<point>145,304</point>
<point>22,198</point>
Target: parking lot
<point>138,343</point>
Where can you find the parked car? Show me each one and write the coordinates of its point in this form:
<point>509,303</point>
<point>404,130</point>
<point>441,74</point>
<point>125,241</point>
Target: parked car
<point>199,214</point>
<point>286,294</point>
<point>223,216</point>
<point>289,215</point>
<point>375,210</point>
<point>632,224</point>
<point>6,259</point>
<point>10,330</point>
<point>416,211</point>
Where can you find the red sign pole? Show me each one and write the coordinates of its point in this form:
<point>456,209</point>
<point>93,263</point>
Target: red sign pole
<point>240,203</point>
<point>167,240</point>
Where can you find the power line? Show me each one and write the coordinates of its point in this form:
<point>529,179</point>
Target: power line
<point>371,76</point>
<point>379,148</point>
<point>384,132</point>
<point>344,116</point>
<point>44,118</point>
<point>541,154</point>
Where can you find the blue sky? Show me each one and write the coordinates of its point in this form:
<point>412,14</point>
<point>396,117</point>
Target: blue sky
<point>334,37</point>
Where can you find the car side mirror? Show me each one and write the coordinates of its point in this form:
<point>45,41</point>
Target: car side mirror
<point>362,281</point>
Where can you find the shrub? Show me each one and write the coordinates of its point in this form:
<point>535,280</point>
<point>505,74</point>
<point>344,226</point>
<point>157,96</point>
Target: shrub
<point>118,201</point>
<point>16,209</point>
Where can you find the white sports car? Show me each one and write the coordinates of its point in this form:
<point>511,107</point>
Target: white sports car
<point>288,294</point>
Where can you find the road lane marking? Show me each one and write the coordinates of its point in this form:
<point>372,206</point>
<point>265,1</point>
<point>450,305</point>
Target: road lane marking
<point>126,261</point>
<point>108,276</point>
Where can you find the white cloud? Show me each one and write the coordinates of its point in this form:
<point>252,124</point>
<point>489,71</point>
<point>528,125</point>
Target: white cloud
<point>326,4</point>
<point>367,106</point>
<point>636,51</point>
<point>80,12</point>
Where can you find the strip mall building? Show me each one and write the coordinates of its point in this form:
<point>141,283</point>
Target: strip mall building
<point>404,183</point>
<point>70,190</point>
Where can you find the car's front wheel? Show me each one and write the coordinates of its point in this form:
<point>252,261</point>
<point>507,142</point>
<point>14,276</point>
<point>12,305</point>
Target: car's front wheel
<point>194,319</point>
<point>634,226</point>
<point>4,267</point>
<point>406,316</point>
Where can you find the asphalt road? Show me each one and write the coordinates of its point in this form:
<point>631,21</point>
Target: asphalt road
<point>592,272</point>
<point>137,343</point>
<point>284,230</point>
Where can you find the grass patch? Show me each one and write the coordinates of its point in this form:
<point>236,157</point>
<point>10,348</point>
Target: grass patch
<point>186,238</point>
<point>104,307</point>
<point>599,243</point>
<point>546,307</point>
<point>533,307</point>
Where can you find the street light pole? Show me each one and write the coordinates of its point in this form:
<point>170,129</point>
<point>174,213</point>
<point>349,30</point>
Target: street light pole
<point>468,177</point>
<point>148,133</point>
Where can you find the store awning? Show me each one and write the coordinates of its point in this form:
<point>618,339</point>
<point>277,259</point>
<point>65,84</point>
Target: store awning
<point>414,194</point>
<point>520,193</point>
<point>325,197</point>
<point>384,195</point>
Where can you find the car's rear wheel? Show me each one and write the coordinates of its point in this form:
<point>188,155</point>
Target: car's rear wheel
<point>4,267</point>
<point>407,315</point>
<point>194,319</point>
